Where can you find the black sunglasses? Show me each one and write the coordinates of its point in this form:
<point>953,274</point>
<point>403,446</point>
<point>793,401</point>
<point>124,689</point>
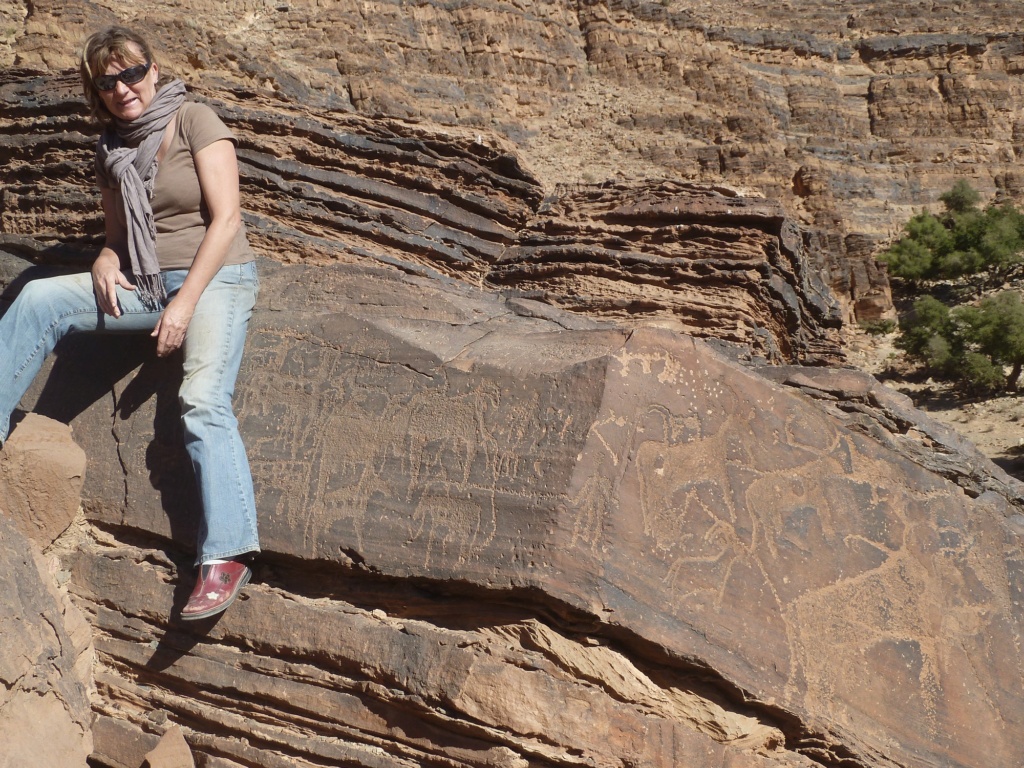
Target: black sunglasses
<point>129,76</point>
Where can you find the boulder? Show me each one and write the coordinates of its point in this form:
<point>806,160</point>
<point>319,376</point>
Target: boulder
<point>46,662</point>
<point>504,534</point>
<point>41,475</point>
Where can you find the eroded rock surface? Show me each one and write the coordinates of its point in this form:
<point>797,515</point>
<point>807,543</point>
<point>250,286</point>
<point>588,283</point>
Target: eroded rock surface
<point>41,475</point>
<point>500,533</point>
<point>520,504</point>
<point>46,662</point>
<point>705,260</point>
<point>850,118</point>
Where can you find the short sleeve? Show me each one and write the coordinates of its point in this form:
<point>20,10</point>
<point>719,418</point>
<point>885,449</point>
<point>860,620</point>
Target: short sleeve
<point>201,126</point>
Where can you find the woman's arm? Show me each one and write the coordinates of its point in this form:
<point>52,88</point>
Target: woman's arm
<point>217,168</point>
<point>106,269</point>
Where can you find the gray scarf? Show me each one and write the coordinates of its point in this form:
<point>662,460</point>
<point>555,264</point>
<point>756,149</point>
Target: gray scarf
<point>126,161</point>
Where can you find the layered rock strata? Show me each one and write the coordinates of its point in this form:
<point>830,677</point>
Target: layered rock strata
<point>705,260</point>
<point>46,654</point>
<point>497,533</point>
<point>851,118</point>
<point>500,533</point>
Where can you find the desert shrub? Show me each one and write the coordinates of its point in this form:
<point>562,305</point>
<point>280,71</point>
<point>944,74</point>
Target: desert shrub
<point>994,328</point>
<point>963,241</point>
<point>924,330</point>
<point>980,374</point>
<point>910,259</point>
<point>972,344</point>
<point>1002,238</point>
<point>915,256</point>
<point>881,327</point>
<point>961,198</point>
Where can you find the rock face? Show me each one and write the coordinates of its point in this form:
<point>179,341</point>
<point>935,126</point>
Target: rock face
<point>46,659</point>
<point>705,260</point>
<point>502,534</point>
<point>851,119</point>
<point>530,492</point>
<point>41,476</point>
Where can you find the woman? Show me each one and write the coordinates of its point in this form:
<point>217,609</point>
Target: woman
<point>176,263</point>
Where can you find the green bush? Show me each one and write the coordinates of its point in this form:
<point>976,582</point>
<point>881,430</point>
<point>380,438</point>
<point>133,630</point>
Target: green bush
<point>881,327</point>
<point>910,260</point>
<point>973,344</point>
<point>961,198</point>
<point>922,330</point>
<point>963,241</point>
<point>930,232</point>
<point>915,256</point>
<point>995,328</point>
<point>1002,239</point>
<point>980,374</point>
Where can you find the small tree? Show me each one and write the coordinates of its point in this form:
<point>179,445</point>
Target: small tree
<point>916,255</point>
<point>927,333</point>
<point>974,344</point>
<point>995,329</point>
<point>1002,239</point>
<point>980,374</point>
<point>930,232</point>
<point>971,343</point>
<point>966,226</point>
<point>963,241</point>
<point>910,259</point>
<point>961,198</point>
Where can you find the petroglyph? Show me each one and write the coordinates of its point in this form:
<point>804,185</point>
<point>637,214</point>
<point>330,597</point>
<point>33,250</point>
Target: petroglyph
<point>731,490</point>
<point>592,505</point>
<point>435,451</point>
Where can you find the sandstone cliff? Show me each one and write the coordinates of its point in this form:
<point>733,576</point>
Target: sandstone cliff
<point>542,479</point>
<point>320,188</point>
<point>849,117</point>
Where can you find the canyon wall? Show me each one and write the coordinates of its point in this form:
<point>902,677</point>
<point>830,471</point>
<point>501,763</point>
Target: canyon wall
<point>556,460</point>
<point>850,117</point>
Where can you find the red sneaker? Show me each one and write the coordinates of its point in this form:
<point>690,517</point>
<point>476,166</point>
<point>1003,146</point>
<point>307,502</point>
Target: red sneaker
<point>216,588</point>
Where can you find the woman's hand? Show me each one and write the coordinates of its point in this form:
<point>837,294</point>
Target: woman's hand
<point>170,328</point>
<point>106,277</point>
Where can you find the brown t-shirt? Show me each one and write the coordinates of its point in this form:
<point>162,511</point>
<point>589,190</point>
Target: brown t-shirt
<point>179,210</point>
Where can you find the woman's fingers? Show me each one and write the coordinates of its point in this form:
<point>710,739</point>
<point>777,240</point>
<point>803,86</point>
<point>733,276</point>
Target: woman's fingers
<point>170,329</point>
<point>105,284</point>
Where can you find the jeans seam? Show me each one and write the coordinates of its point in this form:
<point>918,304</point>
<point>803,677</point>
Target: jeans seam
<point>242,501</point>
<point>239,489</point>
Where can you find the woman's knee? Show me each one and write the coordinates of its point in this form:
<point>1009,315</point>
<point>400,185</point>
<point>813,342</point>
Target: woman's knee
<point>38,310</point>
<point>202,399</point>
<point>36,295</point>
<point>59,288</point>
<point>50,300</point>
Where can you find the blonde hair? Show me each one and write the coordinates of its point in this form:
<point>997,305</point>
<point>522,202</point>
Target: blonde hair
<point>99,50</point>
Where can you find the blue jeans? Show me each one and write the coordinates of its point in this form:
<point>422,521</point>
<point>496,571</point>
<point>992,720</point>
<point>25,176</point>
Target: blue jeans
<point>48,309</point>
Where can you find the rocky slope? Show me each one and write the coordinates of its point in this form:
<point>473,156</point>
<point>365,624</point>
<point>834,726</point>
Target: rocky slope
<point>543,477</point>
